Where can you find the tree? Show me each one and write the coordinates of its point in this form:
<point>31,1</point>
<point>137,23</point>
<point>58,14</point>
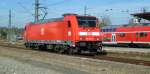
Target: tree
<point>105,20</point>
<point>3,34</point>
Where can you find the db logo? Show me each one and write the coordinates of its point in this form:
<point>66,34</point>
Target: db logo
<point>42,31</point>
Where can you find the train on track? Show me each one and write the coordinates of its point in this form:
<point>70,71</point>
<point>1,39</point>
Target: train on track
<point>132,36</point>
<point>70,34</point>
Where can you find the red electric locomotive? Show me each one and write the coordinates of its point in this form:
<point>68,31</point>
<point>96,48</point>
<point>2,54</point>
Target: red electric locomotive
<point>72,34</point>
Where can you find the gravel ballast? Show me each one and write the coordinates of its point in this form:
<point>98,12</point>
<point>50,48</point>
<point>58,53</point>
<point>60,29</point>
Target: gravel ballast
<point>21,61</point>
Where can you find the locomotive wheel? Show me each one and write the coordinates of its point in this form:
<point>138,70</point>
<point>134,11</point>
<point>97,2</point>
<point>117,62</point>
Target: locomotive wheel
<point>61,51</point>
<point>42,47</point>
<point>79,51</point>
<point>100,49</point>
<point>70,51</point>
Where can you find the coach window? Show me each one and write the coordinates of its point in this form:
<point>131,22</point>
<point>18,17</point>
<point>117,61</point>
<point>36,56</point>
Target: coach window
<point>103,30</point>
<point>122,34</point>
<point>113,30</point>
<point>137,33</point>
<point>107,30</point>
<point>143,34</point>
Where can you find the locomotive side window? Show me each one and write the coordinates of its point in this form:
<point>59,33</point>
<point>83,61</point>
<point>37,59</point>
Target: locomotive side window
<point>86,21</point>
<point>69,24</point>
<point>25,28</point>
<point>122,34</point>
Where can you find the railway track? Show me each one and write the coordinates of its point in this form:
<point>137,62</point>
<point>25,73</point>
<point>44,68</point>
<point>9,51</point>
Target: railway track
<point>100,57</point>
<point>123,60</point>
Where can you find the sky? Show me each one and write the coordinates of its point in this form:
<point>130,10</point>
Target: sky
<point>117,10</point>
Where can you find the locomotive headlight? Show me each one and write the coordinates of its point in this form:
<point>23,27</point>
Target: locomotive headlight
<point>98,39</point>
<point>69,33</point>
<point>82,33</point>
<point>89,33</point>
<point>81,38</point>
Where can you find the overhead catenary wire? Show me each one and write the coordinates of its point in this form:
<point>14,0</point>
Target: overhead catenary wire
<point>25,9</point>
<point>57,3</point>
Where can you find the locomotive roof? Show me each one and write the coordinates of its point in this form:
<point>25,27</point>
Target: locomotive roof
<point>145,15</point>
<point>77,15</point>
<point>47,20</point>
<point>57,19</point>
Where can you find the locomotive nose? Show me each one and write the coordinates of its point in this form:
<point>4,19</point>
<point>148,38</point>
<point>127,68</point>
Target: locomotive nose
<point>89,34</point>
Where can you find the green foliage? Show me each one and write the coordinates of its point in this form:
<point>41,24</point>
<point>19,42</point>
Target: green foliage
<point>106,39</point>
<point>3,34</point>
<point>105,20</point>
<point>5,31</point>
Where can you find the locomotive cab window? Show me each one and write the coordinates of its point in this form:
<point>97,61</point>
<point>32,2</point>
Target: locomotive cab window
<point>86,21</point>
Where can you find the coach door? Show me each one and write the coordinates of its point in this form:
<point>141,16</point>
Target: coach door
<point>113,39</point>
